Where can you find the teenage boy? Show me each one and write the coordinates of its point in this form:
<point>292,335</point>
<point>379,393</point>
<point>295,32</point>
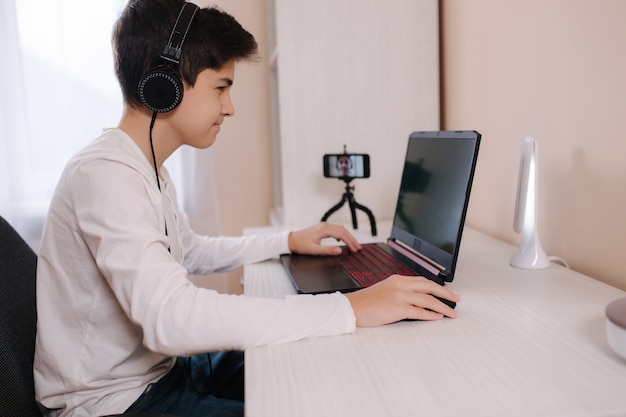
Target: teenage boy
<point>121,328</point>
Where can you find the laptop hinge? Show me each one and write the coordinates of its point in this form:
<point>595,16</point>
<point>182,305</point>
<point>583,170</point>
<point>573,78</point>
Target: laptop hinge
<point>422,260</point>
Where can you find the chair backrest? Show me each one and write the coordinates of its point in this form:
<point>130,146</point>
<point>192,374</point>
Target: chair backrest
<point>18,324</point>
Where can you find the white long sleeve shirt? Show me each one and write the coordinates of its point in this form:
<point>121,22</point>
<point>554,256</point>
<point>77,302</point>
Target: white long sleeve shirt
<point>114,304</point>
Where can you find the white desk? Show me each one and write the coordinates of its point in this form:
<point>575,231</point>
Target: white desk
<point>526,343</point>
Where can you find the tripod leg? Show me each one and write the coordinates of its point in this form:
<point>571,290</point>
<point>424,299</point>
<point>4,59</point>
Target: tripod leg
<point>334,208</point>
<point>353,206</point>
<point>369,214</point>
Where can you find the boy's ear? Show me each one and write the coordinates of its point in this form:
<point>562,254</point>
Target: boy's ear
<point>161,89</point>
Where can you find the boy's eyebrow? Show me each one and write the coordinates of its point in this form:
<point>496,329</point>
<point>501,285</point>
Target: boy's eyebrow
<point>227,80</point>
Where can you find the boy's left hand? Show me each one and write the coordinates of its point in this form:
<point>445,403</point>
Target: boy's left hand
<point>308,241</point>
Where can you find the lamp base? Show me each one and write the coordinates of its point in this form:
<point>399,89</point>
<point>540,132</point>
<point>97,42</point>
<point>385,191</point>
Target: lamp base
<point>530,254</point>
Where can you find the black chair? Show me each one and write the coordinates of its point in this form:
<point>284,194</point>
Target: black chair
<point>18,326</point>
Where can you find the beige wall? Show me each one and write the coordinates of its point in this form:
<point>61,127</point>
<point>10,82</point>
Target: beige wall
<point>555,70</point>
<point>243,153</point>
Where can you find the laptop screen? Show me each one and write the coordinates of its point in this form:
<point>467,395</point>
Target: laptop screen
<point>434,193</point>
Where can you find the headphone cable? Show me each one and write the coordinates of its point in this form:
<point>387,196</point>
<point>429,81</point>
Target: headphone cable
<point>156,171</point>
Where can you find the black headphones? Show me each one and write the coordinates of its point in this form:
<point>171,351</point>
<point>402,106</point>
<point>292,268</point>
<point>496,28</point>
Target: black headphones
<point>161,89</point>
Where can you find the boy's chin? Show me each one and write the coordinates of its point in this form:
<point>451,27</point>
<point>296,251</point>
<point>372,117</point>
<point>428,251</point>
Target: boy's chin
<point>208,141</point>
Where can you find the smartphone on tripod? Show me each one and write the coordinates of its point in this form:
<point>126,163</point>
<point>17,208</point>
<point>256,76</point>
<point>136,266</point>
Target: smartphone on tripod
<point>346,165</point>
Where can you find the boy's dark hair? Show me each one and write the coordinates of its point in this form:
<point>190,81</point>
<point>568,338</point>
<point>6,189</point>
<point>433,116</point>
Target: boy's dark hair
<point>214,39</point>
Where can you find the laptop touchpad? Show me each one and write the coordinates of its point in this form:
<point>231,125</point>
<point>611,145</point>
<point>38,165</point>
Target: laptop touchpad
<point>323,279</point>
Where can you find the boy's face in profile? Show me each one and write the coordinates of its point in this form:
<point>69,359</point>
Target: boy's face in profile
<point>198,117</point>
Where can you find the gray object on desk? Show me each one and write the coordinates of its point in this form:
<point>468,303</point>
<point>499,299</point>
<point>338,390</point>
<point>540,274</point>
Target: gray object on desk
<point>616,326</point>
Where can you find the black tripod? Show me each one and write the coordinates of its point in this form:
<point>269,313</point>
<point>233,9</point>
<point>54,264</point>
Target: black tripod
<point>349,197</point>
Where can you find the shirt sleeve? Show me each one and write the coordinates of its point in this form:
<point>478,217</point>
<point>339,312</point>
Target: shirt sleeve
<point>120,217</point>
<point>206,254</point>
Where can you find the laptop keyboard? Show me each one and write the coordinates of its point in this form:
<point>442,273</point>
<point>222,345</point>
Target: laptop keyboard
<point>370,265</point>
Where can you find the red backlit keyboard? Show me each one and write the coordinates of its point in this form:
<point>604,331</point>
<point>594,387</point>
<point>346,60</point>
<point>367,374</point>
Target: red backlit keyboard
<point>370,265</point>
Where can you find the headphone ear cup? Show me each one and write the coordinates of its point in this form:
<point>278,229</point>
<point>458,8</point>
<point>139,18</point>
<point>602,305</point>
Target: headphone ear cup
<point>161,90</point>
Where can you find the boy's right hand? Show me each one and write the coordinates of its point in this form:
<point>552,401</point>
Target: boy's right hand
<point>401,297</point>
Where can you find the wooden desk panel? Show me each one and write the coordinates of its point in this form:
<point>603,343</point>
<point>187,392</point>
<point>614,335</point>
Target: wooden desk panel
<point>526,343</point>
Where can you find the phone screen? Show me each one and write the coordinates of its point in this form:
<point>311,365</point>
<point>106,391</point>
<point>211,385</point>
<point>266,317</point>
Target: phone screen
<point>355,165</point>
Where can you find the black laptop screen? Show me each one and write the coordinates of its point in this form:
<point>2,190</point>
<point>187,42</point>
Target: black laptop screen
<point>433,194</point>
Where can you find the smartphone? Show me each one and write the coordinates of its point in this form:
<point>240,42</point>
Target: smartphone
<point>347,165</point>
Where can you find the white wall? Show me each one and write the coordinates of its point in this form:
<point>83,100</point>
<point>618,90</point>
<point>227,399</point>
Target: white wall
<point>359,73</point>
<point>367,114</point>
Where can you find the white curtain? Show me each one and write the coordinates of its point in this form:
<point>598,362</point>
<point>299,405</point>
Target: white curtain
<point>58,91</point>
<point>193,172</point>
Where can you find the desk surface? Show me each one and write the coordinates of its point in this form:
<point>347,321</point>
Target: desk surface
<point>526,343</point>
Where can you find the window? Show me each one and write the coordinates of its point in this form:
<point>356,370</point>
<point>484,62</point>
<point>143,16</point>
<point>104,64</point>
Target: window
<point>58,92</point>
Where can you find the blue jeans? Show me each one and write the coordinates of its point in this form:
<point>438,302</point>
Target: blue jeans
<point>198,386</point>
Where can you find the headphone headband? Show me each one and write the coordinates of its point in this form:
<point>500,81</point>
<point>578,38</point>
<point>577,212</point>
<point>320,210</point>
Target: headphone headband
<point>173,49</point>
<point>161,89</point>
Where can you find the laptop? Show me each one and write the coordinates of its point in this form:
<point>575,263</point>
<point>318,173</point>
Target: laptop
<point>427,226</point>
